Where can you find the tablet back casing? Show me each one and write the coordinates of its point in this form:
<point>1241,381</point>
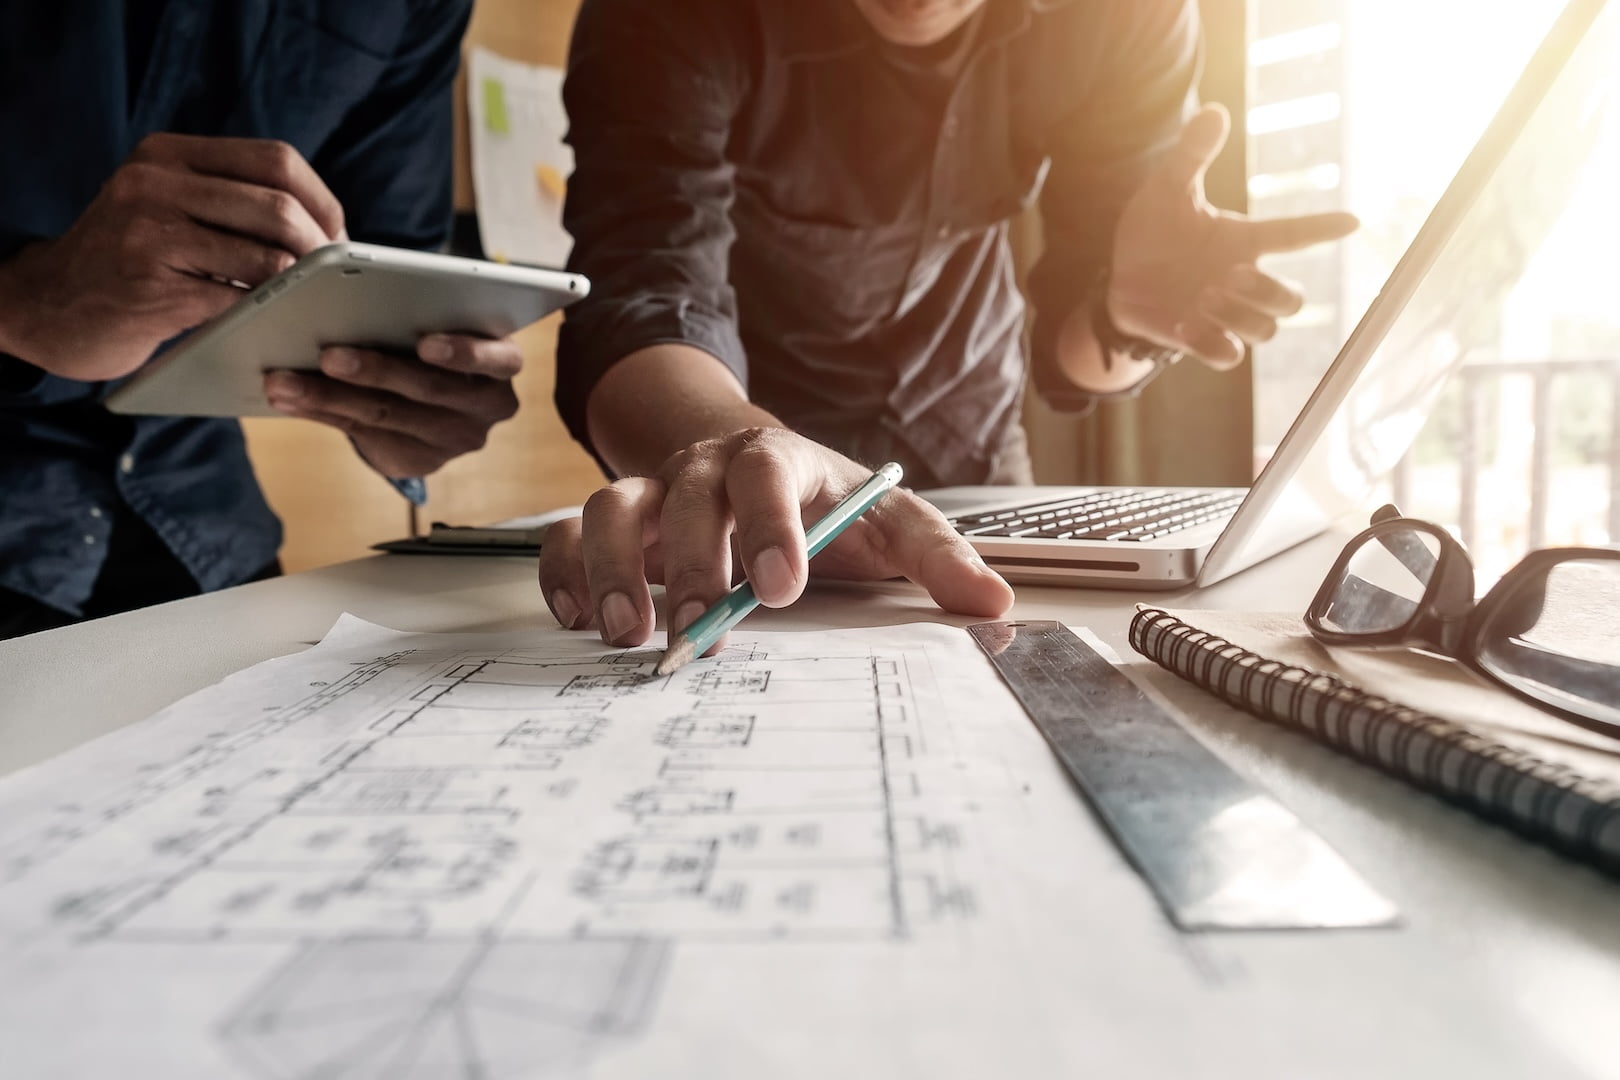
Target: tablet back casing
<point>342,294</point>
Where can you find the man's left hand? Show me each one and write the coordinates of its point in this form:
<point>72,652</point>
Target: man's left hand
<point>407,415</point>
<point>1184,273</point>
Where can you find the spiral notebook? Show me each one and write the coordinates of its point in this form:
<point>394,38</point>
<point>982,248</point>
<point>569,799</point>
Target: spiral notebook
<point>1432,723</point>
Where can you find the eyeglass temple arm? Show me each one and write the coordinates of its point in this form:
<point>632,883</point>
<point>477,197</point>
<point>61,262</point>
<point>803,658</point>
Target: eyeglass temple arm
<point>1589,680</point>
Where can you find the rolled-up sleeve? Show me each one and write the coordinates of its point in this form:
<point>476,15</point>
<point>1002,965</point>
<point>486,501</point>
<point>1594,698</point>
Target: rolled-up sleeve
<point>1100,154</point>
<point>652,90</point>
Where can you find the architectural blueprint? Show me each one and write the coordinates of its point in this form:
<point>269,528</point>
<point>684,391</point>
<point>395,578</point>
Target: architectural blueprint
<point>524,855</point>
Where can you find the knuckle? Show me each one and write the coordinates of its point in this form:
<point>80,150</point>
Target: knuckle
<point>280,160</point>
<point>756,446</point>
<point>282,208</point>
<point>153,146</point>
<point>683,463</point>
<point>137,246</point>
<point>607,500</point>
<point>134,182</point>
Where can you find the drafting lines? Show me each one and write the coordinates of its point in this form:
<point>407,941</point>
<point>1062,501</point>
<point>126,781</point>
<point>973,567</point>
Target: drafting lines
<point>480,845</point>
<point>407,820</point>
<point>778,811</point>
<point>74,820</point>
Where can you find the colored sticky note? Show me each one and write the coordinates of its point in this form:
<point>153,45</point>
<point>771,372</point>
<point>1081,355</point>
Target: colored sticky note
<point>495,117</point>
<point>550,181</point>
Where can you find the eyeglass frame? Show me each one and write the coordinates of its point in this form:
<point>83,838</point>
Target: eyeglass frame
<point>1454,630</point>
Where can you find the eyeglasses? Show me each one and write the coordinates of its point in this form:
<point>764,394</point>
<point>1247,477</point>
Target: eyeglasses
<point>1549,630</point>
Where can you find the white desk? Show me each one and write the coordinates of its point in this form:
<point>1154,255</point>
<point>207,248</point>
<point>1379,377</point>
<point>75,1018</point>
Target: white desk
<point>1539,936</point>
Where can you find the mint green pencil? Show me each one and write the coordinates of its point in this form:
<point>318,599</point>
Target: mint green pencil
<point>728,611</point>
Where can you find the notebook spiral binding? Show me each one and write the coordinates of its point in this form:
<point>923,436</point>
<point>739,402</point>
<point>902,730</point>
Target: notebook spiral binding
<point>1545,802</point>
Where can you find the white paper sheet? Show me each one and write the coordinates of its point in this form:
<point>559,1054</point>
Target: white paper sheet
<point>520,855</point>
<point>520,163</point>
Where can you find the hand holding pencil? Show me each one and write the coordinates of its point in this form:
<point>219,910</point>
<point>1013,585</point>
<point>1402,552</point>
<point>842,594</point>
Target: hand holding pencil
<point>729,610</point>
<point>746,496</point>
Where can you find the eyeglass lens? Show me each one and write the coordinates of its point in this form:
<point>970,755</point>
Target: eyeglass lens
<point>1553,636</point>
<point>1383,582</point>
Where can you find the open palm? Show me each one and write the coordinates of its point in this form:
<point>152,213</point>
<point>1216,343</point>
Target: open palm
<point>1184,273</point>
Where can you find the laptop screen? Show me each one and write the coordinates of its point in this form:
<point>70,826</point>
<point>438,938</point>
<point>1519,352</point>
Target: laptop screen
<point>1450,293</point>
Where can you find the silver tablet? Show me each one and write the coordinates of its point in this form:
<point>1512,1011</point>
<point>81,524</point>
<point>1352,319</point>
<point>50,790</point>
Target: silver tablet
<point>341,294</point>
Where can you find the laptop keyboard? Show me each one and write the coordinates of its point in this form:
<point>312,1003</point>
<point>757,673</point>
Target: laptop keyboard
<point>1115,514</point>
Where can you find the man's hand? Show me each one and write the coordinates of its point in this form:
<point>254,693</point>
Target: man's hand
<point>1184,273</point>
<point>167,244</point>
<point>407,416</point>
<point>764,484</point>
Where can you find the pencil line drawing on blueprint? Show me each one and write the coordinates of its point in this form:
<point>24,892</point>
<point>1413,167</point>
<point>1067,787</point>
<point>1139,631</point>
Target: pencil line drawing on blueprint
<point>486,862</point>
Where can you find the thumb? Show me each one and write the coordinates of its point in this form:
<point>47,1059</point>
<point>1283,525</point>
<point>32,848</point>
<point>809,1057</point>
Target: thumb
<point>1201,140</point>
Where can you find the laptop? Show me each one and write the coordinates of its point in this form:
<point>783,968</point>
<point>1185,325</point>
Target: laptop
<point>1370,405</point>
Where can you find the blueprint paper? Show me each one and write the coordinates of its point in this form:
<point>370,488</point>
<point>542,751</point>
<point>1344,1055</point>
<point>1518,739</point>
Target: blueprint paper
<point>520,163</point>
<point>521,855</point>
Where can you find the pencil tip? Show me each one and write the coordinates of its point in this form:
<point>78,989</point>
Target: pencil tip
<point>675,657</point>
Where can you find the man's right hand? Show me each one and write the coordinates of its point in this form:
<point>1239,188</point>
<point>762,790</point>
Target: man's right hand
<point>765,484</point>
<point>168,243</point>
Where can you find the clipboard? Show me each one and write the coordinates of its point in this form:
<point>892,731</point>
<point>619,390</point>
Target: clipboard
<point>518,536</point>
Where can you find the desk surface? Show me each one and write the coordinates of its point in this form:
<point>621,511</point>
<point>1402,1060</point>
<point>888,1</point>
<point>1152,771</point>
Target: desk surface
<point>1540,936</point>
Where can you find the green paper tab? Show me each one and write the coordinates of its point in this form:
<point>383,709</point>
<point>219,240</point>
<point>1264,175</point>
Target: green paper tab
<point>495,107</point>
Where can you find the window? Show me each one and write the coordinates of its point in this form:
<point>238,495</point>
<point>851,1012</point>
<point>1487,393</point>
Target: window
<point>1371,106</point>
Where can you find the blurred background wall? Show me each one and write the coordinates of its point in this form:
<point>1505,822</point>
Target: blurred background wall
<point>334,507</point>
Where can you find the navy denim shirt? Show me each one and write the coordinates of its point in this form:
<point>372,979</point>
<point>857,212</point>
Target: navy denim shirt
<point>827,215</point>
<point>361,89</point>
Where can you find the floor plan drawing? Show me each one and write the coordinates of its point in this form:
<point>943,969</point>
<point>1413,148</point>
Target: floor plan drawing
<point>523,856</point>
<point>512,844</point>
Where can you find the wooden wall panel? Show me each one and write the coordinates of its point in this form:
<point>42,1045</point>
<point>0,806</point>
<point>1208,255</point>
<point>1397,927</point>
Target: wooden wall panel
<point>334,506</point>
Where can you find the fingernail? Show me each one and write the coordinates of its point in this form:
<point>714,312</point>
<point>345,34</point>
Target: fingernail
<point>340,362</point>
<point>619,618</point>
<point>772,577</point>
<point>563,606</point>
<point>688,614</point>
<point>284,385</point>
<point>435,349</point>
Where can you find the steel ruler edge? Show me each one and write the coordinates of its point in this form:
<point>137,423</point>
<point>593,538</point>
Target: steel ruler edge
<point>1219,852</point>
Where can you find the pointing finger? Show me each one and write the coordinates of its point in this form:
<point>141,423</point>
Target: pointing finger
<point>1292,233</point>
<point>766,485</point>
<point>695,529</point>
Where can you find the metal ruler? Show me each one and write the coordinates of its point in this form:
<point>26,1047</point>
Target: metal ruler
<point>1220,853</point>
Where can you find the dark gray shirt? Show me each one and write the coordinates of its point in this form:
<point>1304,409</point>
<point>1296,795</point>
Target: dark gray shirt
<point>768,181</point>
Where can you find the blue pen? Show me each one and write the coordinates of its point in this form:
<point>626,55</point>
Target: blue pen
<point>728,611</point>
